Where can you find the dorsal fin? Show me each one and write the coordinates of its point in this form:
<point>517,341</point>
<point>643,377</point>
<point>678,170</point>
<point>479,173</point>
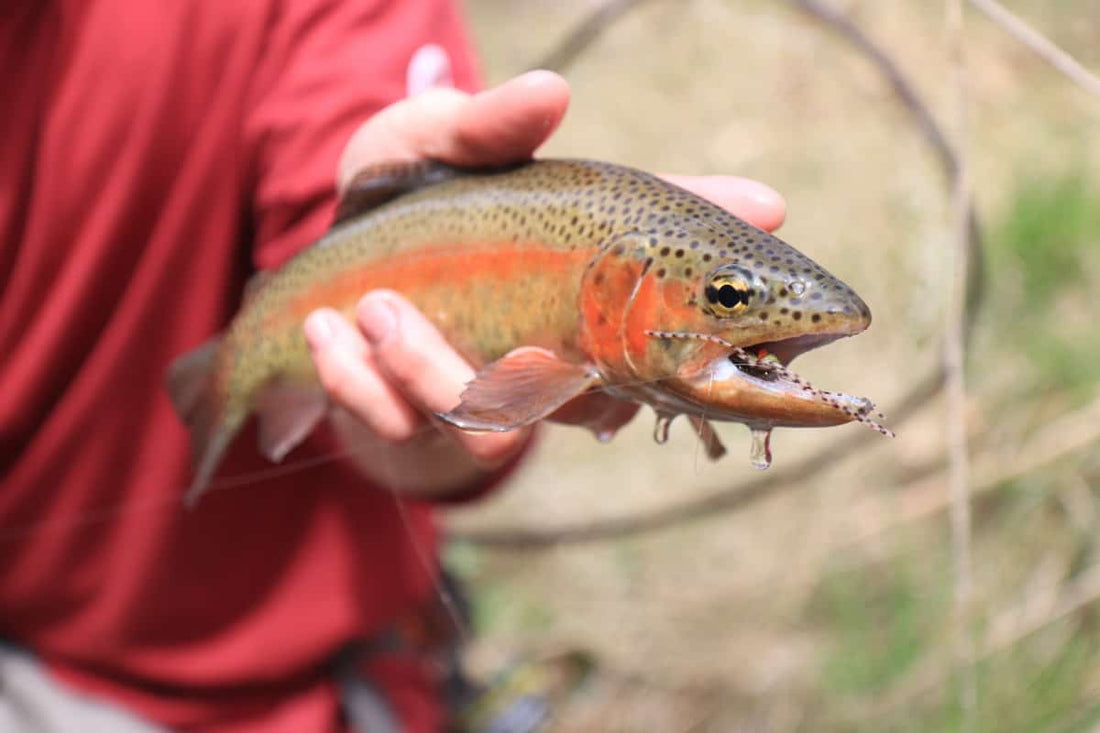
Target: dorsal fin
<point>377,184</point>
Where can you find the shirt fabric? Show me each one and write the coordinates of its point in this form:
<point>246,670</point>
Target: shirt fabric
<point>152,156</point>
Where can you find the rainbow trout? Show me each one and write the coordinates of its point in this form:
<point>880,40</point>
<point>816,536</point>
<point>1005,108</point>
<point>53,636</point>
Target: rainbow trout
<point>623,283</point>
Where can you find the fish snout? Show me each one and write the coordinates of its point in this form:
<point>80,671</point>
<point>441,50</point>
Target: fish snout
<point>820,305</point>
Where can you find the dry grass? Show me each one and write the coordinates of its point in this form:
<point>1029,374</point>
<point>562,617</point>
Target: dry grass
<point>756,620</point>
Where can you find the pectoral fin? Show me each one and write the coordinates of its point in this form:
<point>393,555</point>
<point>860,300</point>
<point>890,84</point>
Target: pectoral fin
<point>378,184</point>
<point>518,389</point>
<point>288,412</point>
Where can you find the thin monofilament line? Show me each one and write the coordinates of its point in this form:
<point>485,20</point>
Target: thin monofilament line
<point>159,499</point>
<point>700,431</point>
<point>432,569</point>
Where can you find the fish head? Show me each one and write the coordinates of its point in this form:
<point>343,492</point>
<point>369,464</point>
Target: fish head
<point>716,312</point>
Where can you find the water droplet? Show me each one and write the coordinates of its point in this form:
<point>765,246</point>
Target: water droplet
<point>660,430</point>
<point>797,287</point>
<point>605,435</point>
<point>761,452</point>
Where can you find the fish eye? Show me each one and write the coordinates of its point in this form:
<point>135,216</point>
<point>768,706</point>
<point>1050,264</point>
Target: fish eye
<point>727,295</point>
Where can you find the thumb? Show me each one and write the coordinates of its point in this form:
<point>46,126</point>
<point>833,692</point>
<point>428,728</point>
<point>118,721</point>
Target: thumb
<point>496,126</point>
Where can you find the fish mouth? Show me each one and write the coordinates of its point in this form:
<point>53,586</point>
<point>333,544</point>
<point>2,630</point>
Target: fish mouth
<point>757,360</point>
<point>782,396</point>
<point>753,384</point>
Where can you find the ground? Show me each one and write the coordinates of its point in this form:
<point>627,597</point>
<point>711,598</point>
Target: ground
<point>826,605</point>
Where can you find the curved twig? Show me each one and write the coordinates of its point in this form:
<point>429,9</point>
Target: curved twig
<point>930,129</point>
<point>1040,45</point>
<point>727,499</point>
<point>584,34</point>
<point>776,481</point>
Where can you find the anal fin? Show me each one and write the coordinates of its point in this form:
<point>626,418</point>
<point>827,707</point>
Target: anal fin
<point>518,389</point>
<point>288,411</point>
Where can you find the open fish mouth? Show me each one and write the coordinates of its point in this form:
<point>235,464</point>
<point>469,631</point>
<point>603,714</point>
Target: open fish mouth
<point>753,384</point>
<point>767,363</point>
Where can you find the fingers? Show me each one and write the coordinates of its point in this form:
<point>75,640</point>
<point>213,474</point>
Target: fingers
<point>509,122</point>
<point>412,352</point>
<point>497,126</point>
<point>506,124</point>
<point>756,203</point>
<point>394,368</point>
<point>420,363</point>
<point>352,380</point>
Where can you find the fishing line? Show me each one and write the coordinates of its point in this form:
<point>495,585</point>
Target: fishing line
<point>697,465</point>
<point>159,499</point>
<point>433,567</point>
<point>244,480</point>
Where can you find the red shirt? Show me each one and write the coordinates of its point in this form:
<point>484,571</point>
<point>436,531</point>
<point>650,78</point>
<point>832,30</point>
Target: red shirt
<point>152,155</point>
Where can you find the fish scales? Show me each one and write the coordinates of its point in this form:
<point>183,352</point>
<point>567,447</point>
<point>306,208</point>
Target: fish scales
<point>589,261</point>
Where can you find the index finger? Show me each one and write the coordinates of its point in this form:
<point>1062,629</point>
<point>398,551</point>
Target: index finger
<point>421,364</point>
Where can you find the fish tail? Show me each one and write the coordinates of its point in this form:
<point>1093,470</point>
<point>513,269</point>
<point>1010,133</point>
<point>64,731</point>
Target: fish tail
<point>196,393</point>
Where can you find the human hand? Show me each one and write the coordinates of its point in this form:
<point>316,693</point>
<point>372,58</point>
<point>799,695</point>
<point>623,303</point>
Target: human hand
<point>395,368</point>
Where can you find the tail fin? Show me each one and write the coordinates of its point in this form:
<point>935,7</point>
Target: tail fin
<point>193,391</point>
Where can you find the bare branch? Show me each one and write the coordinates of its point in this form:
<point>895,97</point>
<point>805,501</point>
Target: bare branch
<point>577,41</point>
<point>1043,47</point>
<point>1016,624</point>
<point>954,359</point>
<point>725,499</point>
<point>918,109</point>
<point>924,499</point>
<point>1007,629</point>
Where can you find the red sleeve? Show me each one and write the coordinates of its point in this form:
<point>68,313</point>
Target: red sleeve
<point>329,65</point>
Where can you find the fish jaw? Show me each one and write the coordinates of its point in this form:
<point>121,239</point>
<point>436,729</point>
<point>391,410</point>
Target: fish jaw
<point>737,392</point>
<point>750,382</point>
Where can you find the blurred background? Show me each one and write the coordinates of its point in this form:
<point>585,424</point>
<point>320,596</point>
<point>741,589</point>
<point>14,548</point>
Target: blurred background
<point>824,602</point>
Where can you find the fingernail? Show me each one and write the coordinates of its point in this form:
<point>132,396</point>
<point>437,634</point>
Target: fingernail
<point>377,318</point>
<point>764,194</point>
<point>319,328</point>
